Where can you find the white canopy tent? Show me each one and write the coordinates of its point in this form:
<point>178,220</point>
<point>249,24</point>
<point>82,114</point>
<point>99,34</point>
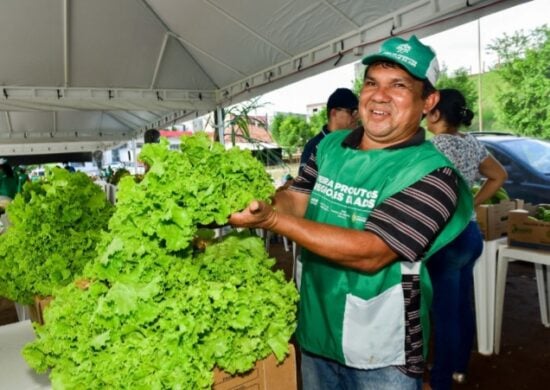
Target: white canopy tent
<point>85,75</point>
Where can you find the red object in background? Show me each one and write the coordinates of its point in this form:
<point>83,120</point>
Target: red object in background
<point>176,133</point>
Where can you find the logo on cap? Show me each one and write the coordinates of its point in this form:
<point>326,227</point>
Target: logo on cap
<point>404,48</point>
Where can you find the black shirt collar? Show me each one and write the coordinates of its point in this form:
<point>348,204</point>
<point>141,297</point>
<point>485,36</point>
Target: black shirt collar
<point>353,140</point>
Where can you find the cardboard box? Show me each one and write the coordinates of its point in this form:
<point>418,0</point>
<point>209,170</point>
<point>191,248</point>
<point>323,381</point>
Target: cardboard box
<point>493,218</point>
<point>37,310</point>
<point>527,232</point>
<point>267,375</point>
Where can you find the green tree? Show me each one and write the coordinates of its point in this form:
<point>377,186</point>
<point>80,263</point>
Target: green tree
<point>358,85</point>
<point>490,81</point>
<point>293,133</point>
<point>459,79</point>
<point>275,126</point>
<point>318,120</point>
<point>524,69</point>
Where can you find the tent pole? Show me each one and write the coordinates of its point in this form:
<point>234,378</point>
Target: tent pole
<point>220,125</point>
<point>480,75</point>
<point>135,156</point>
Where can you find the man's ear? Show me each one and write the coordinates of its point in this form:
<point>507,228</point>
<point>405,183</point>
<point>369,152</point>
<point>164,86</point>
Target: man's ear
<point>430,102</point>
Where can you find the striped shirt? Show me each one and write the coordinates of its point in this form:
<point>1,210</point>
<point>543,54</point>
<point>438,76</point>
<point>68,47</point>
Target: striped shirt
<point>408,222</point>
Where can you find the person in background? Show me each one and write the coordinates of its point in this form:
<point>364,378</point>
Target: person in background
<point>369,208</point>
<point>151,136</point>
<point>8,181</point>
<point>68,167</point>
<point>451,268</point>
<point>107,173</point>
<point>341,114</point>
<point>22,177</point>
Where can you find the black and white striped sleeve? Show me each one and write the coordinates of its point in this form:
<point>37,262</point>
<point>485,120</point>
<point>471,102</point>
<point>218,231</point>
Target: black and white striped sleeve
<point>305,181</point>
<point>410,220</point>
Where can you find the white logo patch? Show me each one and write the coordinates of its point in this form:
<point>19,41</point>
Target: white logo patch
<point>404,48</point>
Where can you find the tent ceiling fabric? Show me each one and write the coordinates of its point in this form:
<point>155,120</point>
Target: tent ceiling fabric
<point>103,71</point>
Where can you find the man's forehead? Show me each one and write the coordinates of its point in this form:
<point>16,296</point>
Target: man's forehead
<point>393,71</point>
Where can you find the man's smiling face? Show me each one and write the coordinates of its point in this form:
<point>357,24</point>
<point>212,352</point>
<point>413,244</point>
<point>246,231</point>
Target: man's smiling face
<point>391,104</point>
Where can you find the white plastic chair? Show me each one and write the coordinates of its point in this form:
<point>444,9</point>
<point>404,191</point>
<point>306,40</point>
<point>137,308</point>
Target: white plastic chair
<point>541,259</point>
<point>485,275</point>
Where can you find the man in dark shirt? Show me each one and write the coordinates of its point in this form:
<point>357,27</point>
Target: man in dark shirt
<point>341,114</point>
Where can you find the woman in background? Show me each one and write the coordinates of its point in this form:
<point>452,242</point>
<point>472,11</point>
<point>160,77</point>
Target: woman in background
<point>451,268</point>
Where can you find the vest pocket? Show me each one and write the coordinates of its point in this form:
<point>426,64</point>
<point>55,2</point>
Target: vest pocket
<point>374,330</point>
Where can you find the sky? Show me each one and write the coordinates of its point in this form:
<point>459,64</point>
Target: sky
<point>455,48</point>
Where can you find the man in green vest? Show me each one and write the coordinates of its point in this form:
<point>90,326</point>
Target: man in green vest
<point>368,211</point>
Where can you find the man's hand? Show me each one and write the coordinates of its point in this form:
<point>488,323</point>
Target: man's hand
<point>285,186</point>
<point>258,214</point>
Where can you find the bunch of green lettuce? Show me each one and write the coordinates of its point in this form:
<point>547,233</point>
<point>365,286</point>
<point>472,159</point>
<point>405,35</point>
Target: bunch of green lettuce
<point>168,327</point>
<point>154,312</point>
<point>201,184</point>
<point>56,225</point>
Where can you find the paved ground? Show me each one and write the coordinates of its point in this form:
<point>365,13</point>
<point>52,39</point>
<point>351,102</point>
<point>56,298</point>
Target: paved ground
<point>524,360</point>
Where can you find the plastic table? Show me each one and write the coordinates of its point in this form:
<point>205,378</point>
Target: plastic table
<point>541,260</point>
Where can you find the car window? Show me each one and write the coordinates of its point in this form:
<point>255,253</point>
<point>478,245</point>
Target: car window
<point>515,172</point>
<point>536,153</point>
<point>501,157</point>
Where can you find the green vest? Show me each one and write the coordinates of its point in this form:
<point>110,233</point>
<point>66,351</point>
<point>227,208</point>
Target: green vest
<point>355,318</point>
<point>22,178</point>
<point>8,186</point>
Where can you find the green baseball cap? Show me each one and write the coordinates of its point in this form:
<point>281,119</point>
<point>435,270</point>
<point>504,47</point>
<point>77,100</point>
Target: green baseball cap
<point>418,59</point>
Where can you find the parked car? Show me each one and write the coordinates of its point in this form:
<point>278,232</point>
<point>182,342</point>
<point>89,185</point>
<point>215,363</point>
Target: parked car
<point>527,161</point>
